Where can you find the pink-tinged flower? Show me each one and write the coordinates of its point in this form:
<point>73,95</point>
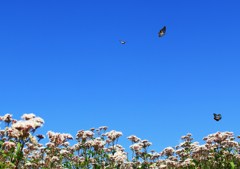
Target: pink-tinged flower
<point>13,133</point>
<point>92,160</point>
<point>88,143</point>
<point>187,137</point>
<point>33,139</point>
<point>81,134</point>
<point>9,145</point>
<point>113,135</point>
<point>134,138</point>
<point>188,162</point>
<point>23,128</point>
<point>87,134</point>
<point>36,122</point>
<point>167,151</point>
<point>98,143</point>
<point>103,128</point>
<point>66,144</point>
<point>26,151</point>
<point>20,125</point>
<point>77,159</point>
<point>41,162</point>
<point>77,146</point>
<point>154,156</point>
<point>2,133</point>
<point>14,121</point>
<point>68,136</point>
<point>50,145</point>
<point>58,138</point>
<point>118,147</point>
<point>64,152</point>
<point>118,157</point>
<point>6,118</point>
<point>28,164</point>
<point>108,141</point>
<point>153,166</point>
<point>137,146</point>
<point>81,159</point>
<point>28,116</point>
<point>54,159</point>
<point>237,156</point>
<point>170,162</point>
<point>146,143</point>
<point>27,126</point>
<point>163,166</point>
<point>107,150</point>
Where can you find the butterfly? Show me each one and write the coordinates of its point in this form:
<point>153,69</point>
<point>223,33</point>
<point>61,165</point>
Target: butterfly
<point>217,117</point>
<point>122,42</point>
<point>162,31</point>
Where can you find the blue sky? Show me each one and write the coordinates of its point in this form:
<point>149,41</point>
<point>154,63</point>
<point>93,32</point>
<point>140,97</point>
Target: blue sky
<point>62,60</point>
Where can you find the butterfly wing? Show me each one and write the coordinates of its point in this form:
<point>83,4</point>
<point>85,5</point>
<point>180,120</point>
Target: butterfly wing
<point>122,42</point>
<point>162,31</point>
<point>217,117</point>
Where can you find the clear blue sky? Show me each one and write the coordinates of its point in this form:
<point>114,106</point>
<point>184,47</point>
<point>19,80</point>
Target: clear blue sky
<point>62,60</point>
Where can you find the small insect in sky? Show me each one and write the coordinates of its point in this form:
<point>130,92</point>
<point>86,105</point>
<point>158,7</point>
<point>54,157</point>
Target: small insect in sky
<point>122,42</point>
<point>162,31</point>
<point>217,117</point>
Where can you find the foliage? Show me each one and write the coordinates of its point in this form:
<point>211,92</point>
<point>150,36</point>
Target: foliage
<point>20,148</point>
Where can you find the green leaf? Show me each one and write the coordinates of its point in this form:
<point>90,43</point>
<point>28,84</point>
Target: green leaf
<point>18,146</point>
<point>232,165</point>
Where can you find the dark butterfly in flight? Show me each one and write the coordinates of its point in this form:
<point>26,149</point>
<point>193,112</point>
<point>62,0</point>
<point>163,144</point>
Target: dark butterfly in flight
<point>162,31</point>
<point>217,117</point>
<point>122,42</point>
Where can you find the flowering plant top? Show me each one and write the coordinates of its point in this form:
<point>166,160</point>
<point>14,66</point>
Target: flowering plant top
<point>20,148</point>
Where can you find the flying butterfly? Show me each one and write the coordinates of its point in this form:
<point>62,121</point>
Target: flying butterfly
<point>122,42</point>
<point>217,117</point>
<point>162,31</point>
